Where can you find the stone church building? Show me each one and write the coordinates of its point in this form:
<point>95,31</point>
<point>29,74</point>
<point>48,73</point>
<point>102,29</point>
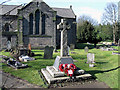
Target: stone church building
<point>35,24</point>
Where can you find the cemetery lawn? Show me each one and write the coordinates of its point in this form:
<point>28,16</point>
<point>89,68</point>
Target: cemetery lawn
<point>105,70</point>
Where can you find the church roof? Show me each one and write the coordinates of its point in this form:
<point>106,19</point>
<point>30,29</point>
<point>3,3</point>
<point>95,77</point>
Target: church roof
<point>65,12</point>
<point>37,1</point>
<point>9,9</point>
<point>13,10</point>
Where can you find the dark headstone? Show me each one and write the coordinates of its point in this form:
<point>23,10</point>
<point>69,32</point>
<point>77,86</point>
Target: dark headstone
<point>48,52</point>
<point>22,50</point>
<point>119,42</point>
<point>72,46</point>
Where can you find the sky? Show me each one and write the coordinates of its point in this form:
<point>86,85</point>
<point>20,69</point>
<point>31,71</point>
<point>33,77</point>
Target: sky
<point>92,8</point>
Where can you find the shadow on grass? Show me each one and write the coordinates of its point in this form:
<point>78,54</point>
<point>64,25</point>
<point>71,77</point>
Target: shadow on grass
<point>90,46</point>
<point>38,55</point>
<point>101,62</point>
<point>93,72</point>
<point>37,51</point>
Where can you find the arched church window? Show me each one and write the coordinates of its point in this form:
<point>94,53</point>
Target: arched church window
<point>37,21</point>
<point>31,23</point>
<point>43,23</point>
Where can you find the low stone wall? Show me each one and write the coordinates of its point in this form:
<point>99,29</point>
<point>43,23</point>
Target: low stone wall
<point>39,42</point>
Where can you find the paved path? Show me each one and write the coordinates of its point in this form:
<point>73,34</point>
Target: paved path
<point>12,82</point>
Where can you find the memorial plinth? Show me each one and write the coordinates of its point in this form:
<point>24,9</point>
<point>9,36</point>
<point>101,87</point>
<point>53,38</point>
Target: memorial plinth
<point>62,60</point>
<point>53,73</point>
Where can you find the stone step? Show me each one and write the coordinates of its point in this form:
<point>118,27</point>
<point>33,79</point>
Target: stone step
<point>51,79</point>
<point>53,72</point>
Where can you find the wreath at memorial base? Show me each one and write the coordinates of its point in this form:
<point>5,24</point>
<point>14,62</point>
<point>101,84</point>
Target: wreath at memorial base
<point>68,69</point>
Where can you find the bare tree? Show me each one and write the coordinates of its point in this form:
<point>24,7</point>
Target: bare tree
<point>83,18</point>
<point>110,16</point>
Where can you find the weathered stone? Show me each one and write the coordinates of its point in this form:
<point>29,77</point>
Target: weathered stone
<point>8,45</point>
<point>91,65</point>
<point>48,52</point>
<point>64,26</point>
<point>68,51</point>
<point>64,48</point>
<point>86,49</point>
<point>53,72</point>
<point>90,58</point>
<point>22,50</point>
<point>72,46</point>
<point>22,23</point>
<point>62,60</point>
<point>51,79</point>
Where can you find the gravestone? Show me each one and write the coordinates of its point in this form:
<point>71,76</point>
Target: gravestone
<point>90,59</point>
<point>72,46</point>
<point>8,45</point>
<point>68,50</point>
<point>119,42</point>
<point>86,49</point>
<point>48,52</point>
<point>22,50</point>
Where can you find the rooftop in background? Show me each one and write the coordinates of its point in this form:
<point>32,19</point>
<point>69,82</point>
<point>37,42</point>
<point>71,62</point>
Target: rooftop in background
<point>12,10</point>
<point>9,9</point>
<point>65,12</point>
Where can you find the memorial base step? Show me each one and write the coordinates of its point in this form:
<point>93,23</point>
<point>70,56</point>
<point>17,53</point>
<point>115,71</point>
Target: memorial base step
<point>50,79</point>
<point>53,72</point>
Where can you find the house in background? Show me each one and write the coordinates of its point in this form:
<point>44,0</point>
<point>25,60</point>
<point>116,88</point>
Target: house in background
<point>35,23</point>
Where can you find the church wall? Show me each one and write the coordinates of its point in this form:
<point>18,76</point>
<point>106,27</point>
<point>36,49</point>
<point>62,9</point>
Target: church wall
<point>40,40</point>
<point>9,33</point>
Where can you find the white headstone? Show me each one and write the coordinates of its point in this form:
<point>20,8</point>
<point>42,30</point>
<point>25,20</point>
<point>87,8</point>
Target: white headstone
<point>90,58</point>
<point>8,45</point>
<point>86,49</point>
<point>68,50</point>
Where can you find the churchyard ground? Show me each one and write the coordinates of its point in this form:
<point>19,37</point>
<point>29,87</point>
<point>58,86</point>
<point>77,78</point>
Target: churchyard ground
<point>105,70</point>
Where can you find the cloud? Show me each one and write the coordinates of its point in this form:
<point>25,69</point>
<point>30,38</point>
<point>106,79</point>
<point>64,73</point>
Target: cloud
<point>81,1</point>
<point>64,1</point>
<point>91,8</point>
<point>94,13</point>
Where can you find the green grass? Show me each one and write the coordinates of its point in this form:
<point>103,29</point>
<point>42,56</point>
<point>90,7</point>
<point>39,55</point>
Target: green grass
<point>106,69</point>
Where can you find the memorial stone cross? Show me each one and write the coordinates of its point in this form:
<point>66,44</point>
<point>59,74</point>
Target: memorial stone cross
<point>63,27</point>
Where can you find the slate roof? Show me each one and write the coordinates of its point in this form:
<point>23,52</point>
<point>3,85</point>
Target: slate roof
<point>65,12</point>
<point>12,10</point>
<point>37,1</point>
<point>9,9</point>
